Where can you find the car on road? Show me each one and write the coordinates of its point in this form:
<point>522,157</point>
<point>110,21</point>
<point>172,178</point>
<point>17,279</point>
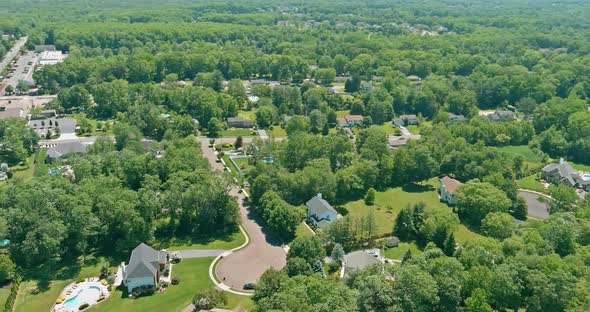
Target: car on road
<point>249,286</point>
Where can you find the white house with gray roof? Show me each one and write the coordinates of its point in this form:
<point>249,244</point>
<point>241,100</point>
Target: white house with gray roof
<point>144,267</point>
<point>320,212</point>
<point>563,174</point>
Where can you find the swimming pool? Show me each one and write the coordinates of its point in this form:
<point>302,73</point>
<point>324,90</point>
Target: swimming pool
<point>87,295</point>
<point>586,176</point>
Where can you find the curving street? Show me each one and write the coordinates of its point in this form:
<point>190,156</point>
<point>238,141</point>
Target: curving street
<point>262,253</point>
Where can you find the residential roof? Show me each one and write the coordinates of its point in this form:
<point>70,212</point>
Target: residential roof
<point>565,171</point>
<point>392,240</point>
<point>450,184</point>
<point>144,262</point>
<point>350,118</point>
<point>341,121</point>
<point>63,149</point>
<point>406,117</point>
<point>397,122</point>
<point>360,260</point>
<point>319,206</point>
<point>456,117</point>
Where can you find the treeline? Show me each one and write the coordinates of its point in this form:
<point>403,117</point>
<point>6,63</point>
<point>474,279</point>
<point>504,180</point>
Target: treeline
<point>121,194</point>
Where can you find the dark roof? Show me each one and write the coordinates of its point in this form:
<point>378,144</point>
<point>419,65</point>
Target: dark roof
<point>360,260</point>
<point>397,122</point>
<point>350,118</point>
<point>65,149</point>
<point>392,240</point>
<point>144,262</point>
<point>408,117</point>
<point>456,117</point>
<point>450,184</point>
<point>319,205</point>
<point>235,119</point>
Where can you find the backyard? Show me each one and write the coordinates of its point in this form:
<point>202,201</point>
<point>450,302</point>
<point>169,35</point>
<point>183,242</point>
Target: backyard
<point>388,203</point>
<point>219,241</point>
<point>522,150</point>
<point>397,253</point>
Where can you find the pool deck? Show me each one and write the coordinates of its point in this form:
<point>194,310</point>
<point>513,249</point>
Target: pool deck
<point>73,289</point>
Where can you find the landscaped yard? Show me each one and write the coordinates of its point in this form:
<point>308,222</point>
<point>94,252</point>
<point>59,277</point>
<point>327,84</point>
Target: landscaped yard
<point>398,252</point>
<point>222,241</point>
<point>276,131</point>
<point>235,132</point>
<point>388,128</point>
<point>388,204</point>
<point>342,113</point>
<point>414,129</point>
<point>581,167</point>
<point>251,114</point>
<point>523,150</point>
<point>4,292</point>
<point>193,274</point>
<point>531,183</point>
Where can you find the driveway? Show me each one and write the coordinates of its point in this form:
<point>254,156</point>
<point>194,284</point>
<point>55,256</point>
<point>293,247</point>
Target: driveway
<point>405,131</point>
<point>536,208</point>
<point>262,253</point>
<point>262,134</point>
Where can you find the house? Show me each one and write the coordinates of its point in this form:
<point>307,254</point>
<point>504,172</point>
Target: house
<point>20,106</point>
<point>239,122</point>
<point>3,176</point>
<point>456,118</point>
<point>377,78</point>
<point>63,150</point>
<point>144,267</point>
<point>409,119</point>
<point>350,121</point>
<point>397,141</point>
<point>413,78</point>
<point>366,86</point>
<point>448,190</point>
<point>319,211</point>
<point>501,116</point>
<point>391,242</point>
<point>358,260</point>
<point>4,167</point>
<point>563,174</point>
<point>397,122</point>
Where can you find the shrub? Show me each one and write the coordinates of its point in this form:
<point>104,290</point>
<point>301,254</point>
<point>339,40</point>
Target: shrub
<point>206,299</point>
<point>83,306</point>
<point>175,280</point>
<point>166,272</point>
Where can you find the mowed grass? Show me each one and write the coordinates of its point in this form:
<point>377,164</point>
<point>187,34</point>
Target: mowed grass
<point>531,183</point>
<point>247,114</point>
<point>414,129</point>
<point>388,203</point>
<point>193,274</point>
<point>235,132</point>
<point>522,150</point>
<point>221,241</point>
<point>398,252</point>
<point>31,298</point>
<point>342,113</point>
<point>276,132</point>
<point>388,128</point>
<point>4,292</point>
<point>580,167</point>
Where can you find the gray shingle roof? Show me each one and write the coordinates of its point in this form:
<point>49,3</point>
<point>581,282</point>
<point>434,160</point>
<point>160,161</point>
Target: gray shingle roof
<point>318,206</point>
<point>359,260</point>
<point>64,149</point>
<point>144,262</point>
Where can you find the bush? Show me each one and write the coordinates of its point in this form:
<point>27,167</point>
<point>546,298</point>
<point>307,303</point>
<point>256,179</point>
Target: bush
<point>206,299</point>
<point>166,272</point>
<point>175,280</point>
<point>83,306</point>
<point>143,291</point>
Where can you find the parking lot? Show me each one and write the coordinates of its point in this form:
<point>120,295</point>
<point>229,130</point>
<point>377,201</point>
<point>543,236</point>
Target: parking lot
<point>67,126</point>
<point>22,69</point>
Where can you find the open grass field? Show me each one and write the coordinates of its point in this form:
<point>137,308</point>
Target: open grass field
<point>388,203</point>
<point>94,123</point>
<point>581,167</point>
<point>234,132</point>
<point>276,132</point>
<point>414,129</point>
<point>221,241</point>
<point>523,150</point>
<point>4,292</point>
<point>388,128</point>
<point>342,113</point>
<point>251,114</point>
<point>531,183</point>
<point>398,252</point>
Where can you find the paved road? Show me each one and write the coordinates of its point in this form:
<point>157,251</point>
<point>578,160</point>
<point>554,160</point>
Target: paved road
<point>536,208</point>
<point>262,253</point>
<point>262,134</point>
<point>199,253</point>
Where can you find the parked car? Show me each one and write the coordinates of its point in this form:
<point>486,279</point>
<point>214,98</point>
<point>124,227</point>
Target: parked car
<point>249,286</point>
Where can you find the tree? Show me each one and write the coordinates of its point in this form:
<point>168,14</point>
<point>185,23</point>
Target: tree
<point>9,89</point>
<point>325,76</point>
<point>499,225</point>
<point>6,268</point>
<point>269,283</point>
<point>307,247</point>
<point>209,298</point>
<point>563,199</point>
<point>477,302</point>
<point>298,266</point>
<point>337,253</point>
<point>450,245</point>
<point>215,127</point>
<point>239,142</point>
<point>370,197</point>
<point>297,123</point>
<point>404,224</point>
<point>476,199</point>
<point>414,289</point>
<point>520,209</point>
<point>317,120</point>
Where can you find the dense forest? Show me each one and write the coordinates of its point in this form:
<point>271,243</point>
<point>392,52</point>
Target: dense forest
<point>171,71</point>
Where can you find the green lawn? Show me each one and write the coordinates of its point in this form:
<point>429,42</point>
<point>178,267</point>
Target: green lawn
<point>523,150</point>
<point>342,113</point>
<point>24,170</point>
<point>302,230</point>
<point>251,114</point>
<point>276,132</point>
<point>4,292</point>
<point>240,162</point>
<point>388,128</point>
<point>414,129</point>
<point>234,132</point>
<point>398,252</point>
<point>193,274</point>
<point>388,204</point>
<point>222,241</point>
<point>40,168</point>
<point>581,167</point>
<point>31,298</point>
<point>463,234</point>
<point>531,183</point>
<point>93,123</point>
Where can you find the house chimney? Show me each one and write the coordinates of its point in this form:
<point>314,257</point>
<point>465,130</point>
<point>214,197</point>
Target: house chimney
<point>320,195</point>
